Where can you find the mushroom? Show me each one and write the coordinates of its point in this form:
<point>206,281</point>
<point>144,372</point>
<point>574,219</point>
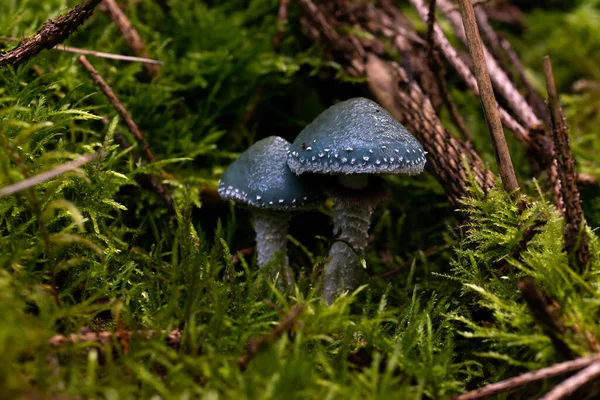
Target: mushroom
<point>261,180</point>
<point>352,142</point>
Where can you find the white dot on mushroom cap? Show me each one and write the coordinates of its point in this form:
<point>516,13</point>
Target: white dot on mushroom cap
<point>314,140</point>
<point>326,150</point>
<point>270,202</point>
<point>397,151</point>
<point>314,158</point>
<point>280,201</point>
<point>377,162</point>
<point>293,201</point>
<point>229,187</point>
<point>258,197</point>
<point>391,159</point>
<point>321,154</point>
<point>400,159</point>
<point>349,149</point>
<point>353,161</point>
<point>335,155</point>
<point>309,148</point>
<point>366,158</point>
<point>344,159</point>
<point>384,147</point>
<point>305,198</point>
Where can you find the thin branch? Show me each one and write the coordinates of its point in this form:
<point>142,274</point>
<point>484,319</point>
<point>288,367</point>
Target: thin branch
<point>570,385</point>
<point>94,53</point>
<point>502,82</point>
<point>116,103</point>
<point>437,68</point>
<point>104,337</point>
<point>130,34</point>
<point>546,316</point>
<point>46,175</point>
<point>507,172</point>
<point>465,73</point>
<point>576,240</point>
<point>154,183</point>
<point>282,17</point>
<point>52,33</point>
<point>285,325</point>
<point>501,43</point>
<point>529,377</point>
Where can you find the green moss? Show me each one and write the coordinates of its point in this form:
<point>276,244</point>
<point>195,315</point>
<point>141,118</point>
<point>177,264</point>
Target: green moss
<point>450,319</point>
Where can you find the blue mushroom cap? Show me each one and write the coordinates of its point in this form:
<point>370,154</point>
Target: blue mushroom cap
<point>356,136</point>
<point>261,178</point>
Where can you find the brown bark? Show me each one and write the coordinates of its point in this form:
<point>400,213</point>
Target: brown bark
<point>492,117</point>
<point>52,33</point>
<point>576,240</point>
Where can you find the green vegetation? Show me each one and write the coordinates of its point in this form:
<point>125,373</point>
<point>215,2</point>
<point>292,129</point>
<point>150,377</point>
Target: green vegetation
<point>452,319</point>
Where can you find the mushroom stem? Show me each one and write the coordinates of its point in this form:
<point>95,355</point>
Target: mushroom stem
<point>344,269</point>
<point>271,237</point>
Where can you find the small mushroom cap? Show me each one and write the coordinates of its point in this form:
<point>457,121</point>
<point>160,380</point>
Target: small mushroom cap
<point>261,178</point>
<point>356,136</point>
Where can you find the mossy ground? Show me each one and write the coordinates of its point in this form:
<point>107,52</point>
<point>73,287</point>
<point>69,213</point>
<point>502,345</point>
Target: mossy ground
<point>450,321</point>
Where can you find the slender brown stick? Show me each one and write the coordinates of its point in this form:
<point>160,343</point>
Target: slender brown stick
<point>130,34</point>
<point>282,16</point>
<point>94,53</point>
<point>576,240</point>
<point>570,385</point>
<point>465,73</point>
<point>52,33</point>
<point>104,337</point>
<point>44,176</point>
<point>529,377</point>
<point>546,316</point>
<point>502,82</point>
<point>286,324</point>
<point>437,68</point>
<point>116,103</point>
<point>155,184</point>
<point>507,172</point>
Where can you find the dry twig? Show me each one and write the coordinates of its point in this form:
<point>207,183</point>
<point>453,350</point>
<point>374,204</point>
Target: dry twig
<point>116,103</point>
<point>153,181</point>
<point>52,33</point>
<point>285,325</point>
<point>529,377</point>
<point>502,82</point>
<point>130,34</point>
<point>104,337</point>
<point>464,71</point>
<point>46,175</point>
<point>507,172</point>
<point>94,53</point>
<point>546,315</point>
<point>570,385</point>
<point>576,240</point>
<point>436,66</point>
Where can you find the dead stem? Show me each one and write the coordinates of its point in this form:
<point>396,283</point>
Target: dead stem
<point>52,33</point>
<point>529,377</point>
<point>505,166</point>
<point>130,34</point>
